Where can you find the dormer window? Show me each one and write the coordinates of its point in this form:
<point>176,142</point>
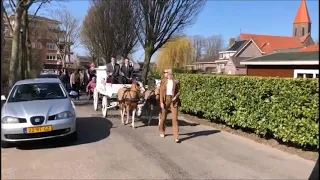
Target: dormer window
<point>303,31</point>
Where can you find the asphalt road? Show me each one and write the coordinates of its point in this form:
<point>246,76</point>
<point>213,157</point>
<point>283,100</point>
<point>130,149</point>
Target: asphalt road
<point>108,150</point>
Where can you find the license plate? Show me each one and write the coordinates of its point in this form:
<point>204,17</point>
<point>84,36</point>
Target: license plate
<point>37,129</point>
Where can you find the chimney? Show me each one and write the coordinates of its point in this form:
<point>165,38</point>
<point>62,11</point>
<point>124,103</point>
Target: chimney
<point>231,41</point>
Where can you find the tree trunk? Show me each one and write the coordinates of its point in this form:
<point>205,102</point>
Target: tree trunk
<point>28,52</point>
<point>147,58</point>
<point>13,74</point>
<point>23,45</point>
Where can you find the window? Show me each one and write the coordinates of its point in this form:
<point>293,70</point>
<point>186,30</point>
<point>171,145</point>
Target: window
<point>303,31</point>
<point>309,75</point>
<point>51,57</point>
<point>51,46</point>
<point>299,75</point>
<point>295,31</point>
<point>306,73</point>
<point>33,45</point>
<point>36,91</point>
<point>40,45</point>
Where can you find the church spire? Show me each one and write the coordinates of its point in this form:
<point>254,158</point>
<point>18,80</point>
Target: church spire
<point>303,14</point>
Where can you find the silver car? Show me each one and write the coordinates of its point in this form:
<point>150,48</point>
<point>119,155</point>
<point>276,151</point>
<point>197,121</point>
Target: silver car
<point>37,109</point>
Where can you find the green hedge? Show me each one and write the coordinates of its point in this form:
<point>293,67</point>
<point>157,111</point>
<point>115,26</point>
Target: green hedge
<point>286,109</point>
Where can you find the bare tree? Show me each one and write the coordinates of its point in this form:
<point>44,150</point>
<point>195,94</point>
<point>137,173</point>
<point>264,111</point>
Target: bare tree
<point>66,34</point>
<point>198,43</point>
<point>213,45</point>
<point>18,8</point>
<point>109,28</point>
<point>2,32</point>
<point>159,21</point>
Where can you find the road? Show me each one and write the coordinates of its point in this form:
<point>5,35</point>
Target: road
<point>108,150</point>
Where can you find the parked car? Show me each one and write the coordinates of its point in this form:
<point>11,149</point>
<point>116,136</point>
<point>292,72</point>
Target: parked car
<point>49,75</point>
<point>37,109</point>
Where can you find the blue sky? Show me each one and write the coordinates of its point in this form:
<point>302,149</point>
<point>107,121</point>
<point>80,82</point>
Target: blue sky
<point>228,18</point>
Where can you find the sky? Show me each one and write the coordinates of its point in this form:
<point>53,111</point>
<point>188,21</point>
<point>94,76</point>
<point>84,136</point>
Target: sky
<point>226,17</point>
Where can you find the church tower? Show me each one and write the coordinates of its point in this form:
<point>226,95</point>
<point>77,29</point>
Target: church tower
<point>302,22</point>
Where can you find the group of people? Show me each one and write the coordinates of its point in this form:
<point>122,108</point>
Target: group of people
<point>119,75</point>
<point>78,80</point>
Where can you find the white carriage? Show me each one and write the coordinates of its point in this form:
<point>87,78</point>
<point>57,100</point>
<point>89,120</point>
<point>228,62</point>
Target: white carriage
<point>107,92</point>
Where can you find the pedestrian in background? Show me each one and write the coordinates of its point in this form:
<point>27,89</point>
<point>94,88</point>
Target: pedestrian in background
<point>75,82</point>
<point>169,98</point>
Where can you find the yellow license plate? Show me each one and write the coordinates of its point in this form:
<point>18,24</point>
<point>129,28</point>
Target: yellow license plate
<point>39,129</point>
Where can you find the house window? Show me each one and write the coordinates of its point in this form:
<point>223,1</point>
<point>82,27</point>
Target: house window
<point>299,75</point>
<point>295,31</point>
<point>309,75</point>
<point>303,31</point>
<point>306,73</point>
<point>51,46</point>
<point>39,45</point>
<point>51,57</point>
<point>33,45</point>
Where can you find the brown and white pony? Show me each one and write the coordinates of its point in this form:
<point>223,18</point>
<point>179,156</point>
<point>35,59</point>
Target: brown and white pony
<point>128,99</point>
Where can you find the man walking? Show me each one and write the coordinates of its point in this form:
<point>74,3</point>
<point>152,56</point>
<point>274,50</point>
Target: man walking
<point>113,70</point>
<point>127,71</point>
<point>169,98</point>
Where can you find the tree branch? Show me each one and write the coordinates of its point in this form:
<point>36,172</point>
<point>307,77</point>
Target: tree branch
<point>8,19</point>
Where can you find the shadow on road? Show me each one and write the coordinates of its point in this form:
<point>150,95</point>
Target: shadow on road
<point>154,122</point>
<point>90,130</point>
<point>197,134</point>
<point>315,172</point>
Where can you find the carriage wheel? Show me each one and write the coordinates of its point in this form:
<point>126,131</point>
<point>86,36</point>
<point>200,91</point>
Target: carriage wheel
<point>95,99</point>
<point>104,106</point>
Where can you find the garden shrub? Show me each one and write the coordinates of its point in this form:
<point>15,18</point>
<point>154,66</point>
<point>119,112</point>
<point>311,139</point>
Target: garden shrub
<point>287,109</point>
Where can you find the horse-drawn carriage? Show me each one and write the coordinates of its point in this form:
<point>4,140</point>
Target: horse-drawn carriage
<point>107,92</point>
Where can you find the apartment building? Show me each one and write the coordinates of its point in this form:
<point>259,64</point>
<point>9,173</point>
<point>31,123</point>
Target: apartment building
<point>44,36</point>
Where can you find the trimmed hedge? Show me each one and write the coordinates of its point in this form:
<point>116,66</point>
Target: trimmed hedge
<point>287,109</point>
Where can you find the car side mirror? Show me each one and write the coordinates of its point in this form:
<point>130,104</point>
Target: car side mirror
<point>3,98</point>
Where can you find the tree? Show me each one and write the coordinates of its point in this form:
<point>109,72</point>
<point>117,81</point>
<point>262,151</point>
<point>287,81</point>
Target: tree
<point>65,34</point>
<point>198,43</point>
<point>159,21</point>
<point>213,45</point>
<point>175,54</point>
<point>108,29</point>
<point>18,7</point>
<point>2,32</point>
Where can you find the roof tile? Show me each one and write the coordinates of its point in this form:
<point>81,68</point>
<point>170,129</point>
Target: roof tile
<point>270,44</point>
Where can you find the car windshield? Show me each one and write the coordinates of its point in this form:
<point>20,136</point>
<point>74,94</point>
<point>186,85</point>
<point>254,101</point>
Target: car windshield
<point>48,76</point>
<point>36,91</point>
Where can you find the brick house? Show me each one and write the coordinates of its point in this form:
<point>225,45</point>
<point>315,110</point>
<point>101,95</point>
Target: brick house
<point>239,50</point>
<point>40,40</point>
<point>285,64</point>
<point>207,64</point>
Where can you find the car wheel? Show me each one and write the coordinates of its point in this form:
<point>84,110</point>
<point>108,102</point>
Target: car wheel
<point>5,144</point>
<point>73,136</point>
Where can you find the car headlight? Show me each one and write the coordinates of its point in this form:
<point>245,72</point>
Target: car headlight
<point>9,120</point>
<point>64,115</point>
